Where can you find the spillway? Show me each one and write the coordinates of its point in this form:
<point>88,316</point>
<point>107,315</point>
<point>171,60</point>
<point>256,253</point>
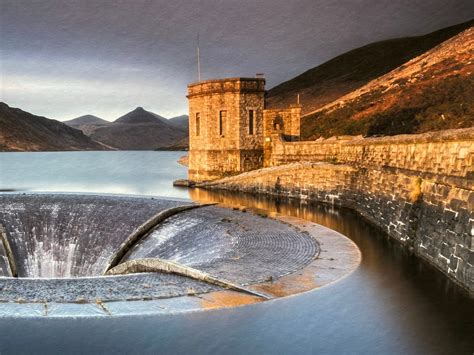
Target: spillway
<point>240,247</point>
<point>62,248</point>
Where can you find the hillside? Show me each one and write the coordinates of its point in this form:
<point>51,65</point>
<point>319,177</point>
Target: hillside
<point>23,131</point>
<point>433,91</point>
<point>181,122</point>
<point>350,71</point>
<point>180,144</point>
<point>139,130</point>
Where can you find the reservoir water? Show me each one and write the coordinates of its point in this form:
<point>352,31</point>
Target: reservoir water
<point>393,303</point>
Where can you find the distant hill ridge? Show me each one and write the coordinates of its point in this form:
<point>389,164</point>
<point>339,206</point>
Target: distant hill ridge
<point>138,129</point>
<point>181,122</point>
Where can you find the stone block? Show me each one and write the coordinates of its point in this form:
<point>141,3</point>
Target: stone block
<point>453,263</point>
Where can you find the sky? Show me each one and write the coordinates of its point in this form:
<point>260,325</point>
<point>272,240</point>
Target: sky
<point>66,58</point>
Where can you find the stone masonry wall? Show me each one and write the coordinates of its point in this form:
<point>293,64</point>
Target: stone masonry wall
<point>419,188</point>
<point>448,154</point>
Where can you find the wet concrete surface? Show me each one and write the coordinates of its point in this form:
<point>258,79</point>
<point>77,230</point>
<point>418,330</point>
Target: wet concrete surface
<point>240,247</point>
<point>94,289</point>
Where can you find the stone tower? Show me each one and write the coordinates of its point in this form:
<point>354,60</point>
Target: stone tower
<point>225,127</point>
<point>280,124</point>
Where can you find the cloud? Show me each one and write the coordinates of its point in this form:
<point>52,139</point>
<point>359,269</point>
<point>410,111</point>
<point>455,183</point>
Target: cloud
<point>69,89</point>
<point>63,58</point>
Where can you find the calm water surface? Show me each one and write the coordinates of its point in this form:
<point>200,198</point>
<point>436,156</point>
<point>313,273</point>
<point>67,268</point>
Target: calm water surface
<point>138,173</point>
<point>392,304</point>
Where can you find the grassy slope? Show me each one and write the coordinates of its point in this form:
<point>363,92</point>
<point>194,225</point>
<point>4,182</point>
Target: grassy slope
<point>433,91</point>
<point>350,71</point>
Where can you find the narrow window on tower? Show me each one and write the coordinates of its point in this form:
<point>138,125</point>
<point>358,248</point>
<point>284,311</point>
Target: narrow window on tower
<point>222,122</point>
<point>198,123</point>
<point>251,121</point>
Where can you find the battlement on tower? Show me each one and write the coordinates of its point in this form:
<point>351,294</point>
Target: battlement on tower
<point>229,85</point>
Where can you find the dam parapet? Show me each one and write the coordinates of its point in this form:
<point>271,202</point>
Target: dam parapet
<point>445,155</point>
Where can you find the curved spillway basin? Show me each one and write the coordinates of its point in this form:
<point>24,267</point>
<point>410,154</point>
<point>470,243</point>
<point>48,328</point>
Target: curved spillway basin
<point>71,235</point>
<point>158,255</point>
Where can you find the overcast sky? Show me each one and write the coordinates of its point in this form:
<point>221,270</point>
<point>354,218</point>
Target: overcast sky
<point>63,59</point>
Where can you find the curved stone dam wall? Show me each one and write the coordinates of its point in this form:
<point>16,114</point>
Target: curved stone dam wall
<point>418,188</point>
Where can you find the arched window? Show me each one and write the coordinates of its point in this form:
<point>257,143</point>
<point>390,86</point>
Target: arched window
<point>278,123</point>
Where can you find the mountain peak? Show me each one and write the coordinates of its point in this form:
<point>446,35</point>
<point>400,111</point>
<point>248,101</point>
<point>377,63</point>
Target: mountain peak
<point>86,120</point>
<point>140,115</point>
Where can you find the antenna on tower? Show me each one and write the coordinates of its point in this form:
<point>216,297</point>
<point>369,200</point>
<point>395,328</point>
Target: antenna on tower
<point>198,59</point>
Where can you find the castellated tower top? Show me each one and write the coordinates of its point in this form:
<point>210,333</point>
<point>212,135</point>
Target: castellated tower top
<point>229,85</point>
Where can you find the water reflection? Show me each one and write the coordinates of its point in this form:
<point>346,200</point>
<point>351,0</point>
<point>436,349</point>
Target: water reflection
<point>322,214</point>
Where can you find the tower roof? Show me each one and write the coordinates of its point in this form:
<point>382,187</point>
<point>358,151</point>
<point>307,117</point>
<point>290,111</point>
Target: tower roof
<point>221,86</point>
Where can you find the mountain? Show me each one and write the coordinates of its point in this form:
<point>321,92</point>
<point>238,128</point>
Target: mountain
<point>140,115</point>
<point>87,124</point>
<point>139,130</point>
<point>433,91</point>
<point>181,122</point>
<point>86,120</point>
<point>23,131</point>
<point>350,71</point>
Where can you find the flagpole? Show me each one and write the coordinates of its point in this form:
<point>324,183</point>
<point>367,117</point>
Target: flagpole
<point>198,60</point>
